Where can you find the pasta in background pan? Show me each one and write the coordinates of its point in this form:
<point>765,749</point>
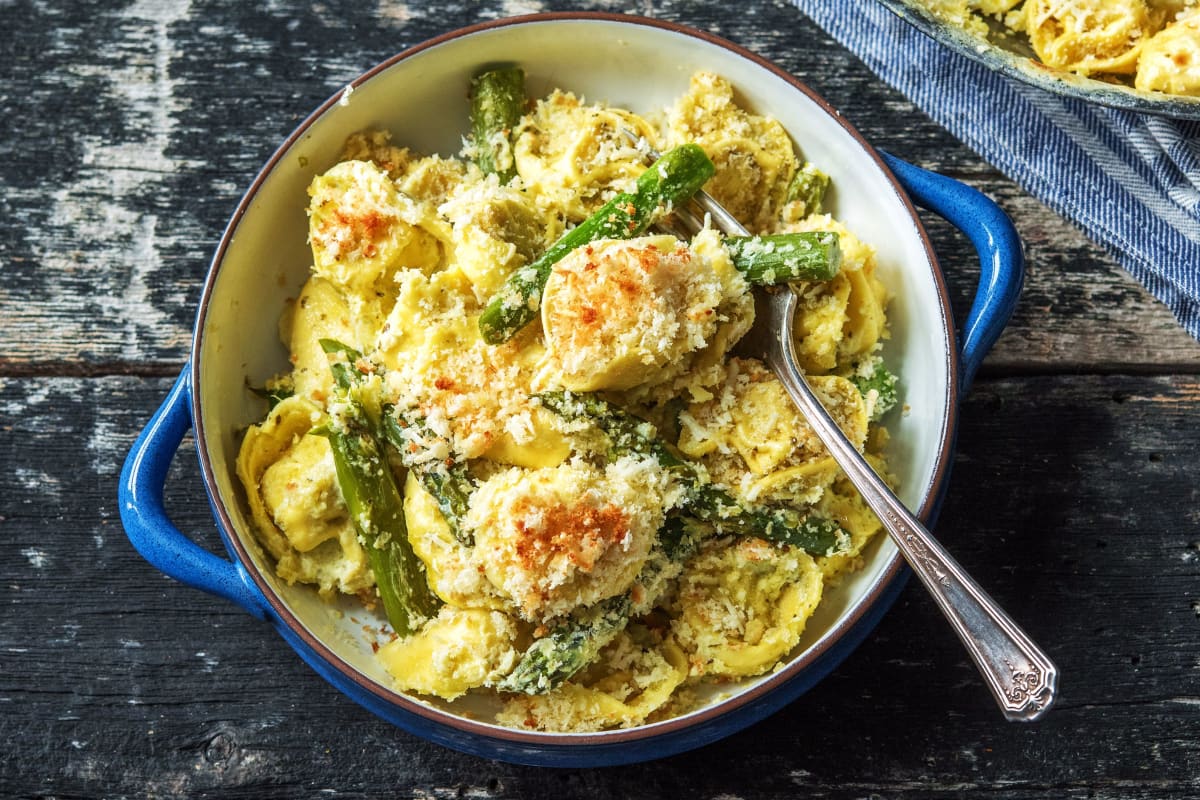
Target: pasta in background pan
<point>1152,45</point>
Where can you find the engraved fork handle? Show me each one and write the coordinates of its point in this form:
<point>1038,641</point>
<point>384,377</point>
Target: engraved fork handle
<point>1022,678</point>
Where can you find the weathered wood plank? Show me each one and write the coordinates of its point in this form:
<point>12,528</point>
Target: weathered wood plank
<point>160,113</point>
<point>1078,312</point>
<point>119,681</point>
<point>129,137</point>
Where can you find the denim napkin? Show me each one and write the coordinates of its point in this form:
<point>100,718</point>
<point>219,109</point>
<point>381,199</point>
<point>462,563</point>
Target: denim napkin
<point>1129,181</point>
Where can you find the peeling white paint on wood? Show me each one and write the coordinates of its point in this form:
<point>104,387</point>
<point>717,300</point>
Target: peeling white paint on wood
<point>38,559</point>
<point>513,8</point>
<point>114,314</point>
<point>108,441</point>
<point>38,482</point>
<point>213,702</point>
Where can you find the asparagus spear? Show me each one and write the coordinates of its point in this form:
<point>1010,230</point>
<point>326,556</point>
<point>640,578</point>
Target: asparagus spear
<point>346,374</point>
<point>809,184</point>
<point>705,501</point>
<point>568,648</point>
<point>375,505</point>
<point>674,177</point>
<point>497,98</point>
<point>880,381</point>
<point>446,480</point>
<point>374,501</point>
<point>812,533</point>
<point>783,257</point>
<point>577,641</point>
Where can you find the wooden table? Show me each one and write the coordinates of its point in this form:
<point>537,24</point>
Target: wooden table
<point>130,132</point>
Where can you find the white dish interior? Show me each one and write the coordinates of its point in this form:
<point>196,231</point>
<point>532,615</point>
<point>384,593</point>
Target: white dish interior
<point>422,100</point>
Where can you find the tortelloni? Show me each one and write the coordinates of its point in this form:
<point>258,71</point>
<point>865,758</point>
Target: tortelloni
<point>362,229</point>
<point>751,437</point>
<point>295,504</point>
<point>459,650</point>
<point>557,538</point>
<point>743,608</point>
<point>575,154</point>
<point>452,569</point>
<point>551,488</point>
<point>841,320</point>
<point>754,156</point>
<point>1170,60</point>
<point>1152,45</point>
<point>1087,36</point>
<point>619,314</point>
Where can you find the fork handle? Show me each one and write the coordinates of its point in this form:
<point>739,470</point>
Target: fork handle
<point>1019,674</point>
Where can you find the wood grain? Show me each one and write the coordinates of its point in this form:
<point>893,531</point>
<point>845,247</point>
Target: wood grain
<point>164,112</point>
<point>120,678</point>
<point>129,132</point>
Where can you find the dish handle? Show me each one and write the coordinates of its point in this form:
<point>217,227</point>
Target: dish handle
<point>1001,256</point>
<point>153,535</point>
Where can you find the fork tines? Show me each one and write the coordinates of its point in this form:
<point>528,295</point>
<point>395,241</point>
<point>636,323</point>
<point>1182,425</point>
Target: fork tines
<point>720,216</point>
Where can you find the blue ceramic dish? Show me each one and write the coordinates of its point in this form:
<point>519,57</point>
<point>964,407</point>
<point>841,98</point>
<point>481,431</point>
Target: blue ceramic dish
<point>263,259</point>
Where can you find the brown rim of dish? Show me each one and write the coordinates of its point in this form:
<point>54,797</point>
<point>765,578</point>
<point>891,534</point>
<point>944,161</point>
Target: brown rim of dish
<point>703,715</point>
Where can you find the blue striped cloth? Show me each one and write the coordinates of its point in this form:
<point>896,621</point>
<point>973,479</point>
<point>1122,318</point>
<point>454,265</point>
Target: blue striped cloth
<point>1129,181</point>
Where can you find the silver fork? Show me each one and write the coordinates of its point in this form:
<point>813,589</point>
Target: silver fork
<point>1019,674</point>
